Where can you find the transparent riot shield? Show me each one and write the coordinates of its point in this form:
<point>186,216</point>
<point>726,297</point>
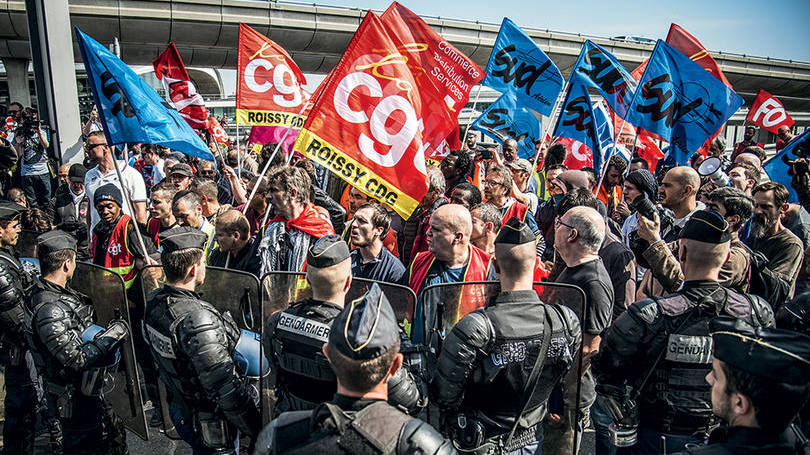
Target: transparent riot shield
<point>225,289</point>
<point>402,298</point>
<point>105,289</point>
<point>281,289</point>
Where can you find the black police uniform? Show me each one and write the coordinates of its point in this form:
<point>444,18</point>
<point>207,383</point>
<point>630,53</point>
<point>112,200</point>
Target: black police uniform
<point>363,331</point>
<point>73,370</point>
<point>295,338</point>
<point>670,336</point>
<point>193,345</point>
<point>20,403</point>
<point>487,359</point>
<point>773,354</point>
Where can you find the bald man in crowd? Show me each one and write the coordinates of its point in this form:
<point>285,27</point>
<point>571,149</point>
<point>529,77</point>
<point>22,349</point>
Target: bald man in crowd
<point>678,193</point>
<point>450,258</point>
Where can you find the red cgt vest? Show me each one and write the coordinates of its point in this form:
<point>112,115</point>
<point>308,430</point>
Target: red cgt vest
<point>118,258</point>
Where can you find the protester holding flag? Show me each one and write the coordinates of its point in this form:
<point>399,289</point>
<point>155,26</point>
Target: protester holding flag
<point>610,192</point>
<point>103,173</point>
<point>296,224</point>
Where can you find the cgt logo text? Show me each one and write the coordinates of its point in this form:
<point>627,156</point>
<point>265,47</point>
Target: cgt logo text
<point>351,172</point>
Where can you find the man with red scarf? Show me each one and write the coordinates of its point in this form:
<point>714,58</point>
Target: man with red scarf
<point>296,224</point>
<point>450,259</point>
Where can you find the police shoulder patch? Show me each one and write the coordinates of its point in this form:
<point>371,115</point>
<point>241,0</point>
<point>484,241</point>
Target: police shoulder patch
<point>303,326</point>
<point>689,348</point>
<point>160,343</point>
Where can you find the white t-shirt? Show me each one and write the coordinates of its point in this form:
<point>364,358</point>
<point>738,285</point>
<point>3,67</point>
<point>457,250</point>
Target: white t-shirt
<point>133,182</point>
<point>157,171</point>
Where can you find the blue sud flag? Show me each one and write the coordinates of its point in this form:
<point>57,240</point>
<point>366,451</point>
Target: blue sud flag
<point>777,169</point>
<point>518,66</point>
<point>131,110</point>
<point>576,120</point>
<point>681,101</point>
<point>601,70</point>
<point>505,119</point>
<point>604,133</point>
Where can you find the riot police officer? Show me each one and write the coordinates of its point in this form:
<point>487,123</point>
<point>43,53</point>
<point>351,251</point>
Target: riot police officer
<point>499,364</point>
<point>759,382</point>
<point>295,337</point>
<point>193,345</point>
<point>20,375</point>
<point>73,355</point>
<point>363,350</point>
<point>653,359</point>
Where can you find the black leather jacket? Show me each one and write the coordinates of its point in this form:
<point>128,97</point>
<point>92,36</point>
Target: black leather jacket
<point>486,359</point>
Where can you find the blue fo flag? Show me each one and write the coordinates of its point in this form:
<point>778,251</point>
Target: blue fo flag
<point>131,111</point>
<point>601,70</point>
<point>576,120</point>
<point>506,119</point>
<point>681,101</point>
<point>518,66</point>
<point>777,169</point>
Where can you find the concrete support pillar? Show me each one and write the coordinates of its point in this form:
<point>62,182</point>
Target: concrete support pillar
<point>17,74</point>
<point>55,75</point>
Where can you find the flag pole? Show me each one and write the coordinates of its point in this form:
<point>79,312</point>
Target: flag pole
<point>475,103</point>
<point>128,202</point>
<point>553,116</point>
<point>612,152</point>
<point>238,153</point>
<point>273,155</point>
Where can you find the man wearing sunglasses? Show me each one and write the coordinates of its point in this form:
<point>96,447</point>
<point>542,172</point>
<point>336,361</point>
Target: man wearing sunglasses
<point>99,153</point>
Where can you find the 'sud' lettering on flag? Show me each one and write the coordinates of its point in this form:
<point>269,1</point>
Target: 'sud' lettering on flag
<point>269,83</point>
<point>507,119</point>
<point>518,65</point>
<point>768,112</point>
<point>681,101</point>
<point>602,71</point>
<point>131,110</point>
<point>576,120</point>
<point>366,126</point>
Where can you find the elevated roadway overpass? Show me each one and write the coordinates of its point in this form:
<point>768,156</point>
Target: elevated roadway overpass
<point>205,32</point>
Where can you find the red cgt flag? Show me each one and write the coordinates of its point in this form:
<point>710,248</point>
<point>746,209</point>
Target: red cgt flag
<point>366,125</point>
<point>434,62</point>
<point>768,112</point>
<point>269,83</point>
<point>180,91</point>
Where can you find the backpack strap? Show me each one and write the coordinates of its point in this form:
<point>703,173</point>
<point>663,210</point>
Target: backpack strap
<point>373,430</point>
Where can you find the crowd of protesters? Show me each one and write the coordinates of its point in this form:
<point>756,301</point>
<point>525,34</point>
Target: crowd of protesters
<point>627,240</point>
